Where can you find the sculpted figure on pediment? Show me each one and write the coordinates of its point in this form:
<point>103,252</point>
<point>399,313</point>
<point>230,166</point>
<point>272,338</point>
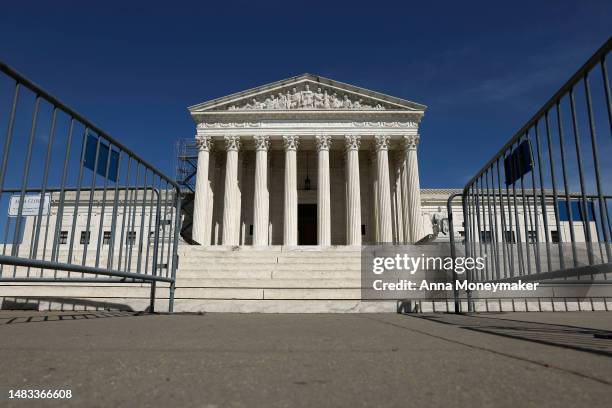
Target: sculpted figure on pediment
<point>254,104</point>
<point>296,99</point>
<point>346,103</point>
<point>318,99</point>
<point>282,101</point>
<point>326,100</point>
<point>269,103</point>
<point>336,102</point>
<point>307,98</point>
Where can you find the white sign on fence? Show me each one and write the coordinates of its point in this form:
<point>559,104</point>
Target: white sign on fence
<point>31,205</point>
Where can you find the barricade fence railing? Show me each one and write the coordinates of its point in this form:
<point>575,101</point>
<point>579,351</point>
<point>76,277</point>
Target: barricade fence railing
<point>79,205</point>
<point>540,208</point>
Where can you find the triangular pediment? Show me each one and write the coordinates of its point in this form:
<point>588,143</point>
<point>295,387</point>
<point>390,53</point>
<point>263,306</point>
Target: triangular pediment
<point>307,93</point>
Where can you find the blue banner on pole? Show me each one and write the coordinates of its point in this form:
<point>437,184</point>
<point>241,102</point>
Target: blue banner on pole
<point>518,163</point>
<point>103,149</point>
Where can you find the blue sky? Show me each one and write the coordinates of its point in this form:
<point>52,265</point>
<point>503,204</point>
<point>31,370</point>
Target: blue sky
<point>483,68</point>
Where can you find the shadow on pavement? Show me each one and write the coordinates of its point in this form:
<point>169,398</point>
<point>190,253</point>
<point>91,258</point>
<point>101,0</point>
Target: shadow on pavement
<point>577,338</point>
<point>60,303</point>
<point>63,317</point>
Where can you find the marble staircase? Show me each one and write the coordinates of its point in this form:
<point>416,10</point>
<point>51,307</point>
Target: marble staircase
<point>272,280</point>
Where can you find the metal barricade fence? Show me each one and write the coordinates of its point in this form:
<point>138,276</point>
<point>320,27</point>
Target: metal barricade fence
<point>81,207</point>
<point>540,208</point>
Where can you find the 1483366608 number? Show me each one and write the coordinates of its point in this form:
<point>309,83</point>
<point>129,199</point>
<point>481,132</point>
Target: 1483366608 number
<point>39,394</point>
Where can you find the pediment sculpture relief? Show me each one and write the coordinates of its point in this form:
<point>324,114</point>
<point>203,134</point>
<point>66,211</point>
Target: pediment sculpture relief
<point>305,98</point>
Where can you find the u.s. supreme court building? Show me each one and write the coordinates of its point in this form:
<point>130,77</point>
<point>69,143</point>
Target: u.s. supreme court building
<point>307,161</point>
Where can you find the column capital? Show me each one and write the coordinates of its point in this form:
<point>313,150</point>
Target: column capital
<point>262,142</point>
<point>323,142</point>
<point>291,142</point>
<point>411,142</point>
<point>352,142</point>
<point>232,143</point>
<point>203,143</point>
<point>381,142</point>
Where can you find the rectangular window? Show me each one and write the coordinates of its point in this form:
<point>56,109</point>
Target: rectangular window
<point>106,238</point>
<point>85,237</point>
<point>130,239</point>
<point>532,237</point>
<point>63,238</point>
<point>554,236</point>
<point>486,236</point>
<point>578,209</point>
<point>510,237</point>
<point>362,229</point>
<point>462,233</point>
<point>251,229</point>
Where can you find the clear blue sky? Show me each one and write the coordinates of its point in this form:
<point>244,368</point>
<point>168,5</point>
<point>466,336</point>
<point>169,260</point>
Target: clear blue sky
<point>483,68</point>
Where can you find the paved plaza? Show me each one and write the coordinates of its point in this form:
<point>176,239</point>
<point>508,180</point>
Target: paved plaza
<point>219,360</point>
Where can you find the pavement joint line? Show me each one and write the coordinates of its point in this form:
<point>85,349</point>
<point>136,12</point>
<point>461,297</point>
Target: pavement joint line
<point>500,353</point>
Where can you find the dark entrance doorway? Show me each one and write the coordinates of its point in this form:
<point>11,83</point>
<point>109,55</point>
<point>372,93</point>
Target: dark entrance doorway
<point>307,224</point>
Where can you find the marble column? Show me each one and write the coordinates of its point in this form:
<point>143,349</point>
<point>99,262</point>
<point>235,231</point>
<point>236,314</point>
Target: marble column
<point>202,192</point>
<point>243,189</point>
<point>375,218</point>
<point>231,211</point>
<point>413,189</point>
<point>384,189</point>
<point>290,221</point>
<point>261,200</point>
<point>323,191</point>
<point>397,199</point>
<point>353,199</point>
<point>217,205</point>
<point>404,198</point>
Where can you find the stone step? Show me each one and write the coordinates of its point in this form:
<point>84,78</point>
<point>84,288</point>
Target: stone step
<point>269,248</point>
<point>262,260</point>
<point>272,293</point>
<point>235,273</point>
<point>267,283</point>
<point>269,274</point>
<point>282,306</point>
<point>262,253</point>
<point>273,259</point>
<point>266,267</point>
<point>219,293</point>
<point>316,274</point>
<point>313,294</point>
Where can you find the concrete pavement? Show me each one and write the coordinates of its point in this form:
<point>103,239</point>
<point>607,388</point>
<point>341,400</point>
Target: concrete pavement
<point>236,360</point>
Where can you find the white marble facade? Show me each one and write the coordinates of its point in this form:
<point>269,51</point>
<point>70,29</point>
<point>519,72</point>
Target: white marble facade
<point>307,161</point>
